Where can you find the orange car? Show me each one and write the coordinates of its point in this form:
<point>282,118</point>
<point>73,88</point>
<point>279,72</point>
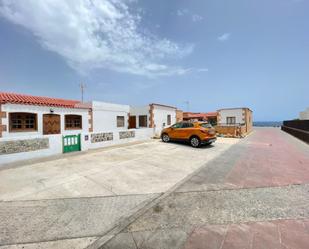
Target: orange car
<point>196,133</point>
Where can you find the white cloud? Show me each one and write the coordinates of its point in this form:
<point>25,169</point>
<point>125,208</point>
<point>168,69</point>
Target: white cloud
<point>182,12</point>
<point>96,34</point>
<point>224,37</point>
<point>197,18</point>
<point>186,12</point>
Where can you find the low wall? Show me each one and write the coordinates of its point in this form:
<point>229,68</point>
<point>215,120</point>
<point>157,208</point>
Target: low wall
<point>231,131</point>
<point>25,145</point>
<point>19,149</point>
<point>119,137</point>
<point>15,149</point>
<point>297,128</point>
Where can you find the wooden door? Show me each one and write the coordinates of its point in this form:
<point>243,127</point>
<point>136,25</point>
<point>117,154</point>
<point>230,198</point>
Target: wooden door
<point>51,124</point>
<point>132,122</point>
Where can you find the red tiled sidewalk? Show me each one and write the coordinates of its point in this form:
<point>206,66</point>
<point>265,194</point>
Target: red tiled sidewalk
<point>280,234</point>
<point>271,160</point>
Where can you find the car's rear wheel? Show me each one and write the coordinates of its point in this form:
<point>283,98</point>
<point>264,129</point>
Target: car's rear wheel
<point>195,142</point>
<point>165,138</point>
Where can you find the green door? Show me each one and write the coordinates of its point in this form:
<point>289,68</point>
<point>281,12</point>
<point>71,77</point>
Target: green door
<point>71,143</point>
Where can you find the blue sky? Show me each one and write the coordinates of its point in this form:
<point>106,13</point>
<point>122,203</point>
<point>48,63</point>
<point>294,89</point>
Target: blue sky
<point>214,54</point>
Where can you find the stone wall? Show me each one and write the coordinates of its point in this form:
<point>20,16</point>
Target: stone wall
<point>101,137</point>
<point>25,145</point>
<point>3,115</point>
<point>126,134</point>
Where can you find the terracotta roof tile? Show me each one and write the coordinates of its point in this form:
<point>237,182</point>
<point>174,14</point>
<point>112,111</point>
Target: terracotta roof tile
<point>15,98</point>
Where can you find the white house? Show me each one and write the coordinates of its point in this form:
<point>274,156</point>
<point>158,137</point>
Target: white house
<point>110,123</point>
<point>235,121</point>
<point>32,126</point>
<point>304,115</point>
<point>155,116</point>
<point>109,117</point>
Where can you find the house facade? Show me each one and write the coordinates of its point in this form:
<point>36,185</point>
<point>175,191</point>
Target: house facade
<point>33,126</point>
<point>234,122</point>
<point>139,117</point>
<point>110,124</point>
<point>155,116</point>
<point>109,116</point>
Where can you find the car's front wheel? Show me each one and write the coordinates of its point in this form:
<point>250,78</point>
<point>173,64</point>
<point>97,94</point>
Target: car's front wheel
<point>195,142</point>
<point>165,138</point>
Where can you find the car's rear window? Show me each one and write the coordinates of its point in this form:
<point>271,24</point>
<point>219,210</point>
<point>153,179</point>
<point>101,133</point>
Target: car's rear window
<point>206,125</point>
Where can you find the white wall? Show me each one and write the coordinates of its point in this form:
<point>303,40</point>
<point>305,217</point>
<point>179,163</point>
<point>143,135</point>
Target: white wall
<point>160,117</point>
<point>104,112</point>
<point>40,110</point>
<point>55,147</point>
<point>105,116</point>
<point>238,113</point>
<point>140,111</point>
<point>140,135</point>
<point>55,141</point>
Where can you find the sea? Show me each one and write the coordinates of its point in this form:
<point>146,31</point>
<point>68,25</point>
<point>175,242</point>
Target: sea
<point>267,123</point>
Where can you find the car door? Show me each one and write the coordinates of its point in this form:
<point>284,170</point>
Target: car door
<point>184,132</point>
<point>175,131</point>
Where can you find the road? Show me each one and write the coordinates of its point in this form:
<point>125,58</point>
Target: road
<point>254,195</point>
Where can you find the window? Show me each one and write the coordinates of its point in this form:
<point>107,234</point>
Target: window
<point>120,121</point>
<point>22,121</point>
<point>231,120</point>
<point>169,119</point>
<point>206,125</point>
<point>73,122</point>
<point>187,125</point>
<point>177,125</point>
<point>142,120</point>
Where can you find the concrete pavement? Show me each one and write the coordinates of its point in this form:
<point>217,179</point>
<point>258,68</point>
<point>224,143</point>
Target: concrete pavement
<point>75,200</point>
<point>151,167</point>
<point>255,195</point>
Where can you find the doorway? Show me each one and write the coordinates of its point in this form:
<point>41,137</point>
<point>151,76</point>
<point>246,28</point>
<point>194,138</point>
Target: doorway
<point>51,124</point>
<point>132,122</point>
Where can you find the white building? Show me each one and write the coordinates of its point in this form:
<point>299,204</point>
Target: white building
<point>230,116</point>
<point>32,126</point>
<point>304,115</point>
<point>231,119</point>
<point>109,117</point>
<point>110,123</point>
<point>155,116</point>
